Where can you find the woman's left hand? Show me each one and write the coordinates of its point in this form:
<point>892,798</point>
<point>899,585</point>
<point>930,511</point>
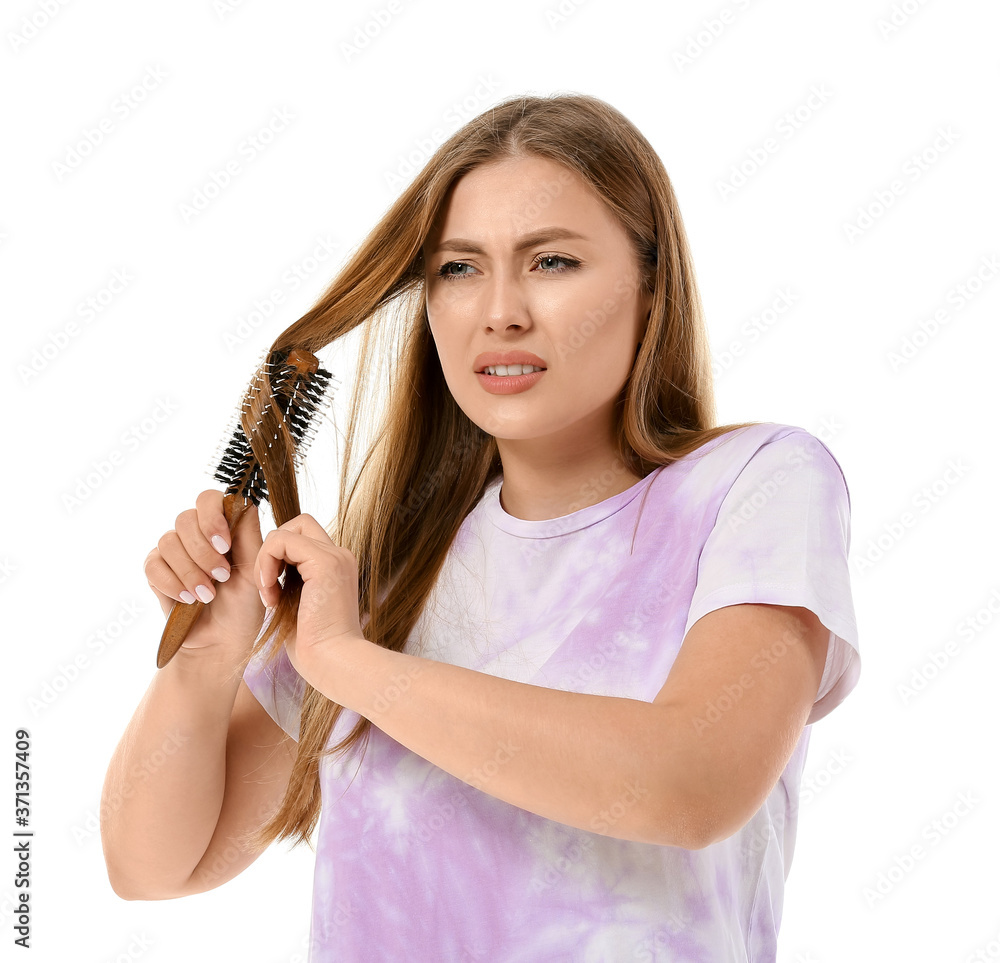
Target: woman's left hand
<point>328,606</point>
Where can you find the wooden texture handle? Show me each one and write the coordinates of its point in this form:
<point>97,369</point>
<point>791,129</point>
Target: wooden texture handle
<point>183,616</point>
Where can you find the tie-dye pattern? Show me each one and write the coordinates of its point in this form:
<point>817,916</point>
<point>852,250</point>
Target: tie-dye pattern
<point>415,864</point>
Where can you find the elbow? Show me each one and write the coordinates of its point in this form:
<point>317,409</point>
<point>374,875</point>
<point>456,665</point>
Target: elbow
<point>132,890</point>
<point>125,888</point>
<point>709,825</point>
<point>130,887</point>
<point>684,822</point>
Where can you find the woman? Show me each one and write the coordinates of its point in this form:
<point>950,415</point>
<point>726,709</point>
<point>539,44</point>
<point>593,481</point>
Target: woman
<point>589,626</point>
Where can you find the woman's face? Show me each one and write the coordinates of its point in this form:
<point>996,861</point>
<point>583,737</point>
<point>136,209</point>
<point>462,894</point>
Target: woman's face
<point>527,258</point>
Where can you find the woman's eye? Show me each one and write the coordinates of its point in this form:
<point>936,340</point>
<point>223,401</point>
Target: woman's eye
<point>555,257</point>
<point>445,270</point>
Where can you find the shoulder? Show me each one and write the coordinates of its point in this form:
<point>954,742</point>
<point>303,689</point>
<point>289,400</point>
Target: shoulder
<point>767,448</point>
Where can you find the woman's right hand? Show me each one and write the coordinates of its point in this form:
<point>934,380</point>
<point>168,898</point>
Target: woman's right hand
<point>186,558</point>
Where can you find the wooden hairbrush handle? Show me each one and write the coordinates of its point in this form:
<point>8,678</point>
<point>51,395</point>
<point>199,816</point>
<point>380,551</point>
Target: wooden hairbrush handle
<point>183,615</point>
<point>298,386</point>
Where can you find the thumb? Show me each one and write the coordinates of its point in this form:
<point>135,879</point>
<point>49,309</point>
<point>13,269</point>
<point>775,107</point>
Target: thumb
<point>247,539</point>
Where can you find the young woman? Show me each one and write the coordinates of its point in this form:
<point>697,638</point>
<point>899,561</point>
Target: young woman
<point>549,677</point>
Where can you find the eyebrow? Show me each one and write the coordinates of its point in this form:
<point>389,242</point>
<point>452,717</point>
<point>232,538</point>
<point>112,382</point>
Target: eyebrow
<point>462,244</point>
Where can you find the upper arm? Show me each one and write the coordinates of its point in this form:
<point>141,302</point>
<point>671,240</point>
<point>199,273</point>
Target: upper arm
<point>259,758</point>
<point>735,703</point>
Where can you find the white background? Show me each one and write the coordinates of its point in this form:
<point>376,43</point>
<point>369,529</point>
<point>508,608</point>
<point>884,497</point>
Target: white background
<point>915,103</point>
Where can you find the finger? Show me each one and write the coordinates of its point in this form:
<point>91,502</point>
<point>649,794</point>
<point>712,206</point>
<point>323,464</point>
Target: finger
<point>161,574</point>
<point>212,520</point>
<point>246,539</point>
<point>305,524</point>
<point>207,565</point>
<point>286,546</point>
<point>153,567</point>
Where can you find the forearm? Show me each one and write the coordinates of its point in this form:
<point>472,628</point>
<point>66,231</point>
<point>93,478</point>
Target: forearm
<point>598,763</point>
<point>165,783</point>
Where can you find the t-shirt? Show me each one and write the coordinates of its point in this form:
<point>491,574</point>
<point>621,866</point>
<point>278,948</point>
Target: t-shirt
<point>413,863</point>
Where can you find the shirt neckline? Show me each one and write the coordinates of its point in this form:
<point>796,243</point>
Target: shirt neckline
<point>564,524</point>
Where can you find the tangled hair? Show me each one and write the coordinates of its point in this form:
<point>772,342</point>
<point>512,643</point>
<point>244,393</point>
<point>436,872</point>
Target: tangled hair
<point>429,463</point>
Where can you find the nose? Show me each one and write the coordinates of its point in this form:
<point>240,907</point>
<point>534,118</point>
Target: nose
<point>504,303</point>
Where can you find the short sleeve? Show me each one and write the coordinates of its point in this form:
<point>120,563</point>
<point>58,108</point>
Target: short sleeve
<point>278,688</point>
<point>782,537</point>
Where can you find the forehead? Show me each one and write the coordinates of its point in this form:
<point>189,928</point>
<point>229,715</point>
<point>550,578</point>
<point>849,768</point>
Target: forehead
<point>513,196</point>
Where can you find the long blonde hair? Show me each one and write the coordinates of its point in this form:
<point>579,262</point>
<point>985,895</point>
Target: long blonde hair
<point>429,464</point>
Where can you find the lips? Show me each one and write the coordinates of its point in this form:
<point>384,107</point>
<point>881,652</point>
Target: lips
<point>491,358</point>
<point>509,384</point>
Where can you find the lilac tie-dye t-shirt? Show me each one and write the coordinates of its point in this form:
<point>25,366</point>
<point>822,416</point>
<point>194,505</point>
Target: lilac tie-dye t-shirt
<point>415,864</point>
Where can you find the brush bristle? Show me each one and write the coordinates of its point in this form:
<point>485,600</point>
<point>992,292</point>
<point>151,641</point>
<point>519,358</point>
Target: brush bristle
<point>300,396</point>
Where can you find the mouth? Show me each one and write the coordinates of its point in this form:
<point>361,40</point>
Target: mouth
<point>485,369</point>
<point>509,384</point>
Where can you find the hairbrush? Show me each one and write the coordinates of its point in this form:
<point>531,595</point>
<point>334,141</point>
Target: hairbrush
<point>298,385</point>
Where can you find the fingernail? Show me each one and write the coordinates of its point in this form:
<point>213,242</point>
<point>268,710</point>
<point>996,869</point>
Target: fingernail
<point>187,598</point>
<point>220,574</point>
<point>204,593</point>
<point>220,544</point>
<point>264,600</point>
